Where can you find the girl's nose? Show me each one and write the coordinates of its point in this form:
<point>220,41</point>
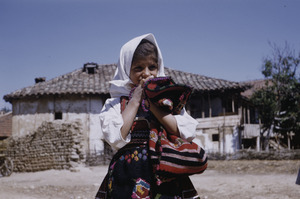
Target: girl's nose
<point>146,73</point>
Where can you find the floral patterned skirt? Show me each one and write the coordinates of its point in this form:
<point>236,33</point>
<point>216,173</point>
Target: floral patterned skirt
<point>130,175</point>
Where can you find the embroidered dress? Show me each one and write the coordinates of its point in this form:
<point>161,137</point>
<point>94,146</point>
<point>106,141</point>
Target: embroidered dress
<point>130,173</point>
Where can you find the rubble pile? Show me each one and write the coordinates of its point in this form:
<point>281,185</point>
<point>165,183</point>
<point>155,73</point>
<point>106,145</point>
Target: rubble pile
<point>51,146</point>
<point>104,158</point>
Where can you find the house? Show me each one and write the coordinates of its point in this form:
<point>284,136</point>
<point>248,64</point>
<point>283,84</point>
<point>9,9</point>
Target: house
<point>5,125</point>
<point>79,96</point>
<point>76,96</point>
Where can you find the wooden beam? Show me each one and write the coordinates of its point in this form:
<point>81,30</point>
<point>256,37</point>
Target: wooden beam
<point>202,107</point>
<point>248,114</point>
<point>209,104</point>
<point>232,104</point>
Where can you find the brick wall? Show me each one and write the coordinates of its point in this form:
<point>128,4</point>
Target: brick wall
<point>51,146</point>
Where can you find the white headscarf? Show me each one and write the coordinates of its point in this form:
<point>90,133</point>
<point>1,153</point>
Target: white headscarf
<point>120,85</point>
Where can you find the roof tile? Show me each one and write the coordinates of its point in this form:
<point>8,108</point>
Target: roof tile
<point>97,83</point>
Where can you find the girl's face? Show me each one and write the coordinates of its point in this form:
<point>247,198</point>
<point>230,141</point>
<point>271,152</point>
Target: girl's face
<point>143,68</point>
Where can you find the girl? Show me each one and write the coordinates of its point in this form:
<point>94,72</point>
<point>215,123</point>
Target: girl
<point>125,127</point>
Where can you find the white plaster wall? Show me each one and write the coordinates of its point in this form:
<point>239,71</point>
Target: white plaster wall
<point>236,138</point>
<point>203,140</point>
<point>96,144</point>
<point>87,111</point>
<point>232,140</point>
<point>226,145</point>
<point>25,124</point>
<point>209,126</point>
<point>28,115</point>
<point>229,143</point>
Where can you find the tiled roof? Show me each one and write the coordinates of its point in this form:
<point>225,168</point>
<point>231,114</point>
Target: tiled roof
<point>253,86</point>
<point>202,83</point>
<point>97,83</point>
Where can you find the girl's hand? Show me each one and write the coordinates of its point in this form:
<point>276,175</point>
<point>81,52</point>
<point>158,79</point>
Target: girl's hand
<point>143,80</point>
<point>138,93</point>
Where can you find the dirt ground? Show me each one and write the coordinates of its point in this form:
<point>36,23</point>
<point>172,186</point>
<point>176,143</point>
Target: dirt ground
<point>243,179</point>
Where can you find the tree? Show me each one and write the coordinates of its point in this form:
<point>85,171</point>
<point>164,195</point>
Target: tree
<point>5,110</point>
<point>279,101</point>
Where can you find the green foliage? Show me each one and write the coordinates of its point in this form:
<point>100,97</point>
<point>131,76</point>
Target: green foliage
<point>264,100</point>
<point>279,101</point>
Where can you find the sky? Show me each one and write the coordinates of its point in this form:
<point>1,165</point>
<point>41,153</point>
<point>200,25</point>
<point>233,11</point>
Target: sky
<point>226,39</point>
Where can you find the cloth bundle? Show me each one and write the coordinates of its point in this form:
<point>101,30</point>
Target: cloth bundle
<point>164,92</point>
<point>171,155</point>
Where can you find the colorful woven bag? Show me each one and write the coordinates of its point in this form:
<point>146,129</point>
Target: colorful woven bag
<point>172,155</point>
<point>164,92</point>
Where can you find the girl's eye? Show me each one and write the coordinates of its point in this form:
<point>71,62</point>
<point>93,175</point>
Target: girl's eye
<point>138,69</point>
<point>153,67</point>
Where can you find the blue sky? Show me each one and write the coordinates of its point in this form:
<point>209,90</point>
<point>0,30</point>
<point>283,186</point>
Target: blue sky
<point>225,39</point>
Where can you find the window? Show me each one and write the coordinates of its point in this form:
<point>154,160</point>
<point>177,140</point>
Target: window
<point>198,107</point>
<point>58,115</point>
<point>253,116</point>
<point>216,106</point>
<point>215,137</point>
<point>90,68</point>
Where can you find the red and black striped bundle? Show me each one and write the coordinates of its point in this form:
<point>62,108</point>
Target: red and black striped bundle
<point>164,92</point>
<point>172,155</point>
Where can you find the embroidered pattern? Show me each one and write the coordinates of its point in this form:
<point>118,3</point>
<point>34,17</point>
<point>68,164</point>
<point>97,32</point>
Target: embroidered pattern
<point>136,156</point>
<point>141,189</point>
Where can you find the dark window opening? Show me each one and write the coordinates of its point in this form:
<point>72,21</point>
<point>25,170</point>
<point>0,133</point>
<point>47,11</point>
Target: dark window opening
<point>91,70</point>
<point>199,107</point>
<point>215,137</point>
<point>254,116</point>
<point>195,108</point>
<point>216,106</point>
<point>227,105</point>
<point>249,143</point>
<point>58,115</point>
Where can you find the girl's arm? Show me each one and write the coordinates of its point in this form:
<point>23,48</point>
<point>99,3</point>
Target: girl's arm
<point>128,116</point>
<point>111,122</point>
<point>130,111</point>
<point>166,119</point>
<point>181,125</point>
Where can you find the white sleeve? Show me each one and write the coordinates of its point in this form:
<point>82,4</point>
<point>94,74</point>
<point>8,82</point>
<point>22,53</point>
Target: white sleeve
<point>111,122</point>
<point>186,125</point>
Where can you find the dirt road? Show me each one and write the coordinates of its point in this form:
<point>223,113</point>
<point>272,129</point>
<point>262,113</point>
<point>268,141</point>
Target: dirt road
<point>222,179</point>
